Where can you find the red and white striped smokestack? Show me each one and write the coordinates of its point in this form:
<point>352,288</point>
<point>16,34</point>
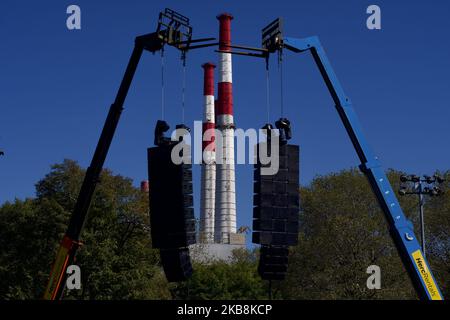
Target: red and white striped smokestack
<point>216,103</point>
<point>208,175</point>
<point>225,221</point>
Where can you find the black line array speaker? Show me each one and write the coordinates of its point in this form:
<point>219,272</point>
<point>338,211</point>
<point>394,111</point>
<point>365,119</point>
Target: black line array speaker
<point>176,263</point>
<point>276,203</point>
<point>273,262</point>
<point>171,211</point>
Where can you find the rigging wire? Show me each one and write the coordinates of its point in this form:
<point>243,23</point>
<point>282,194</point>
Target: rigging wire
<point>183,90</point>
<point>162,84</point>
<point>267,90</point>
<point>280,67</point>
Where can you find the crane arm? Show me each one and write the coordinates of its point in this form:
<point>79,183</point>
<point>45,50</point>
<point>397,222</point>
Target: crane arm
<point>70,243</point>
<point>173,29</point>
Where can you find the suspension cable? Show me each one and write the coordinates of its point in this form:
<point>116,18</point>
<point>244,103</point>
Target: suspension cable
<point>280,67</point>
<point>162,84</point>
<point>183,90</point>
<point>267,90</point>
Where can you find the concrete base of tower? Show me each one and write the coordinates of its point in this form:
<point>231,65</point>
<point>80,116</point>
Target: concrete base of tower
<point>210,252</point>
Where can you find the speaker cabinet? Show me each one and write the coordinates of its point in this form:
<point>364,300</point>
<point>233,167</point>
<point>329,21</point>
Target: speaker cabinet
<point>276,200</point>
<point>276,208</point>
<point>273,262</point>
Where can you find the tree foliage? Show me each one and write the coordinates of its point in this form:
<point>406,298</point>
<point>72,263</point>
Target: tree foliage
<point>116,258</point>
<point>342,233</point>
<point>220,280</point>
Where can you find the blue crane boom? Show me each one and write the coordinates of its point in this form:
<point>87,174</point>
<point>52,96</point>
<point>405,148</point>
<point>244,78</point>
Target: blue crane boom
<point>400,227</point>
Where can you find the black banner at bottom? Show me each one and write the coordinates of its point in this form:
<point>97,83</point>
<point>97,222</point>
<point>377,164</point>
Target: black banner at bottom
<point>232,309</point>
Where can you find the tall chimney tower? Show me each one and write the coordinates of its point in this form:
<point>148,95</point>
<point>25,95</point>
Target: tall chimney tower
<point>225,221</point>
<point>208,175</point>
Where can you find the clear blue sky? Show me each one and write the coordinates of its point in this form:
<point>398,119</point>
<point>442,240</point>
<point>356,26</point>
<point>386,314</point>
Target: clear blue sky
<point>56,85</point>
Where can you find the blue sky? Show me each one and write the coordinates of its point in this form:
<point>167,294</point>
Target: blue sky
<point>56,85</point>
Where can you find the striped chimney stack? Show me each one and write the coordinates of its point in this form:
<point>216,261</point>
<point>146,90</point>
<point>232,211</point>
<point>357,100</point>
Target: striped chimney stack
<point>225,220</point>
<point>208,175</point>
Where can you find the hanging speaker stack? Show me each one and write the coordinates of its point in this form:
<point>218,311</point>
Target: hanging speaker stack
<point>276,211</point>
<point>171,211</point>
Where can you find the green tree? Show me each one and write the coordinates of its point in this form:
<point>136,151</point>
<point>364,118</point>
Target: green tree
<point>437,235</point>
<point>216,280</point>
<point>116,258</point>
<point>343,232</point>
<point>28,237</point>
